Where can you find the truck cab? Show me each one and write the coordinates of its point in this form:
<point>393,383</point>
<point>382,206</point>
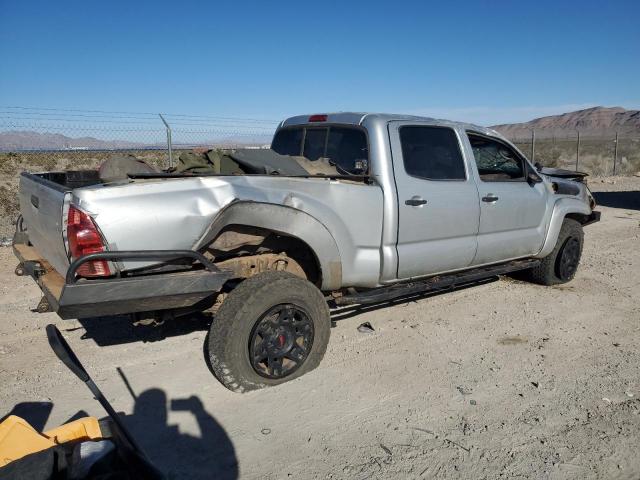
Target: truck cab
<point>455,195</point>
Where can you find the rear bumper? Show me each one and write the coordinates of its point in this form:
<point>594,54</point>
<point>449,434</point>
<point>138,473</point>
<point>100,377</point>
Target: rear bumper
<point>82,298</point>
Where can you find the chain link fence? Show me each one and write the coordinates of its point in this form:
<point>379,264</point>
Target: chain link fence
<point>56,139</point>
<point>598,155</point>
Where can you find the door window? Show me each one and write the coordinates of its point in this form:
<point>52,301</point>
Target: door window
<point>496,161</point>
<point>432,153</point>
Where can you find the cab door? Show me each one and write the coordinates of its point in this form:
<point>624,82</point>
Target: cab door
<point>438,205</point>
<point>512,210</point>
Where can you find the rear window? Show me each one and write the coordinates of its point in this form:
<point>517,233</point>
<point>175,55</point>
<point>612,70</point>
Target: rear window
<point>344,147</point>
<point>432,153</point>
<point>288,142</point>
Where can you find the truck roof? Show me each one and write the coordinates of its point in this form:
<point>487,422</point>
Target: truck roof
<point>370,119</point>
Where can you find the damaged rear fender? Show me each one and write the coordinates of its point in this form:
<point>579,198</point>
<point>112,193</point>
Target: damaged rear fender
<point>286,221</point>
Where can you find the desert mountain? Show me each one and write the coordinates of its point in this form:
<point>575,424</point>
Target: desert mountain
<point>28,140</point>
<point>594,122</point>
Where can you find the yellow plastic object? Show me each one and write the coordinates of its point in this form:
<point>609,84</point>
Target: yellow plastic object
<point>19,439</point>
<point>82,429</point>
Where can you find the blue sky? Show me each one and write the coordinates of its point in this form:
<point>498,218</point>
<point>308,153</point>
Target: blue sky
<point>486,62</point>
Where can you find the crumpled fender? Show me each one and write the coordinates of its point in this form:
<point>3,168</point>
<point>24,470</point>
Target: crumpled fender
<point>287,221</point>
<point>561,209</point>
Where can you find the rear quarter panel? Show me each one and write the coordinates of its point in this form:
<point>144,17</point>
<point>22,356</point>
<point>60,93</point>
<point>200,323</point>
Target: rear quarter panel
<point>175,213</point>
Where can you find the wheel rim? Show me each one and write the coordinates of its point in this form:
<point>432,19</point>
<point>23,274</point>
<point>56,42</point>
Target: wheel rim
<point>281,341</point>
<point>569,258</point>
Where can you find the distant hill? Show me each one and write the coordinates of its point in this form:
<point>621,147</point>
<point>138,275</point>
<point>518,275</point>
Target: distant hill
<point>28,140</point>
<point>594,122</point>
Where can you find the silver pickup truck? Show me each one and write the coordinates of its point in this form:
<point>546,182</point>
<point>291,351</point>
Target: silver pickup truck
<point>401,206</point>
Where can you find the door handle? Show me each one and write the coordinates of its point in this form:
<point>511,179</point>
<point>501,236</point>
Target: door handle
<point>490,198</point>
<point>415,201</point>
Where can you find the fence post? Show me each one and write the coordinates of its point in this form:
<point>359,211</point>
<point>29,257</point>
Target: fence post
<point>169,146</point>
<point>615,154</point>
<point>578,151</point>
<point>533,146</point>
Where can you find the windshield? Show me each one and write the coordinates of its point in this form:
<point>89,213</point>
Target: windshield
<point>343,147</point>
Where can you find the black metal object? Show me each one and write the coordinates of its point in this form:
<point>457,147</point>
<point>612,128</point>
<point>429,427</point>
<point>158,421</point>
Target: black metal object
<point>281,341</point>
<point>63,351</point>
<point>82,298</point>
<point>143,293</point>
<point>32,268</point>
<point>383,294</point>
<point>65,181</point>
<point>137,255</point>
<point>136,462</point>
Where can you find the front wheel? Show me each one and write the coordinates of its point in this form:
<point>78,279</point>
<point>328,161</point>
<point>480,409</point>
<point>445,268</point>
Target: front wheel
<point>272,328</point>
<point>561,264</point>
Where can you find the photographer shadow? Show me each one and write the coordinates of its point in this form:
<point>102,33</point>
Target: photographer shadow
<point>177,454</point>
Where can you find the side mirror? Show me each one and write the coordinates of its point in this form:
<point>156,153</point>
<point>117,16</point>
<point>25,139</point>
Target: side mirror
<point>533,178</point>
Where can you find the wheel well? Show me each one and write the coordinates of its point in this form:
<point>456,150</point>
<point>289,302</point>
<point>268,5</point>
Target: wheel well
<point>236,242</point>
<point>578,217</point>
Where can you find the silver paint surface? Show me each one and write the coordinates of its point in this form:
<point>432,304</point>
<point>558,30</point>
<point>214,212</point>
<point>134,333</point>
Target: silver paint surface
<point>352,227</point>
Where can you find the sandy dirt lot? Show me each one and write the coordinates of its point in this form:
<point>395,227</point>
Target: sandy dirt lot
<point>503,379</point>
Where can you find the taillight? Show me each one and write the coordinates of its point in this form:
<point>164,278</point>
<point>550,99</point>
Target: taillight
<point>318,118</point>
<point>84,239</point>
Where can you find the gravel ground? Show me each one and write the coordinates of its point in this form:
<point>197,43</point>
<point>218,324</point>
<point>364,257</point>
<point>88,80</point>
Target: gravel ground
<point>503,379</point>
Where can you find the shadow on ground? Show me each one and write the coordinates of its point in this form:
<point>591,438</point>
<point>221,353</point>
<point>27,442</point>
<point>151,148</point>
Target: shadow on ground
<point>115,330</point>
<point>626,200</point>
<point>178,455</point>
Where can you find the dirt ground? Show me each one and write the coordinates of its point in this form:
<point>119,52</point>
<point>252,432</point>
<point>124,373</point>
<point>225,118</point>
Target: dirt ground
<point>503,379</point>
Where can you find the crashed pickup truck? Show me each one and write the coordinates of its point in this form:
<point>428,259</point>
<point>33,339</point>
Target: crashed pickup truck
<point>344,209</point>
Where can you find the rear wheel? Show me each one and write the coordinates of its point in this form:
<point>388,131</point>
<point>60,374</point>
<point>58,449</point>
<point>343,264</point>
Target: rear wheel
<point>561,264</point>
<point>272,328</point>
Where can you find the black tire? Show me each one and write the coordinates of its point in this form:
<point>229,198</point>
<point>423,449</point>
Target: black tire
<point>561,264</point>
<point>237,326</point>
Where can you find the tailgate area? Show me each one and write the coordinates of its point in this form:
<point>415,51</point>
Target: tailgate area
<point>42,203</point>
<point>85,298</point>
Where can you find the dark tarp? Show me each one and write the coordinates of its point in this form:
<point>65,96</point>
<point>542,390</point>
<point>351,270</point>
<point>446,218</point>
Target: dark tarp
<point>250,161</point>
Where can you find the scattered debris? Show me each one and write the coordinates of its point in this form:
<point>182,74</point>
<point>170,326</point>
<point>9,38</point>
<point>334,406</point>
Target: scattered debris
<point>535,384</point>
<point>423,430</point>
<point>628,394</point>
<point>457,445</point>
<point>463,391</point>
<point>472,402</point>
<point>513,340</point>
<point>266,431</point>
<point>606,400</point>
<point>5,242</point>
<point>616,344</point>
<point>366,327</point>
<point>386,449</point>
